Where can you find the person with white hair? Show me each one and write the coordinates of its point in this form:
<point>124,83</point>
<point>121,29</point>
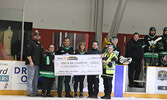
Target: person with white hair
<point>109,59</point>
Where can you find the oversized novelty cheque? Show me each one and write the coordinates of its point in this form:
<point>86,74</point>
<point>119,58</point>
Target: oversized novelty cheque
<point>65,65</point>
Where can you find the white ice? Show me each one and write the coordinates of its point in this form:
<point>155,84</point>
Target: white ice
<point>11,97</point>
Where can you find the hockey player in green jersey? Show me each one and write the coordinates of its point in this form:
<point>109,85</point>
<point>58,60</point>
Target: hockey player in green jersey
<point>151,47</point>
<point>163,41</point>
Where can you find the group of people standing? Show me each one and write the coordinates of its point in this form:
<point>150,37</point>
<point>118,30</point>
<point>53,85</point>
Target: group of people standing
<point>37,62</point>
<point>155,53</point>
<point>154,49</point>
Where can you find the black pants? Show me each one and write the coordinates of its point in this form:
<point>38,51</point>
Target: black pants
<point>60,85</point>
<point>77,80</point>
<point>93,85</point>
<point>107,81</point>
<point>134,71</point>
<point>47,85</point>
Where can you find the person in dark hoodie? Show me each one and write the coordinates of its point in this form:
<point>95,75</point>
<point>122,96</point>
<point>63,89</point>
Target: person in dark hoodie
<point>93,80</point>
<point>134,50</point>
<point>47,71</point>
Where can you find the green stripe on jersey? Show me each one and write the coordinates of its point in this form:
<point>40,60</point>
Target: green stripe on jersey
<point>48,74</point>
<point>149,55</point>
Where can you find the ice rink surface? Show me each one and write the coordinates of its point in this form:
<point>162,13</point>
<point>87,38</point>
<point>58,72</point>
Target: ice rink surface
<point>9,97</point>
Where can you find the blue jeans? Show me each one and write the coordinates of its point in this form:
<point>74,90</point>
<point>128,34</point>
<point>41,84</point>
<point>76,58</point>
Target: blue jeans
<point>32,79</point>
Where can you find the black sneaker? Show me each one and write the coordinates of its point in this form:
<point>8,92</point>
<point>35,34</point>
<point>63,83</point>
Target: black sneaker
<point>49,95</point>
<point>69,95</point>
<point>94,97</point>
<point>75,94</point>
<point>80,95</point>
<point>43,95</point>
<point>59,95</point>
<point>38,95</point>
<point>89,97</point>
<point>31,95</point>
<point>107,97</point>
<point>103,97</point>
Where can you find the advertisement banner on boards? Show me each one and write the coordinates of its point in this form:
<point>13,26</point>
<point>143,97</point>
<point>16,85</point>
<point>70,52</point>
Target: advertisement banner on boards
<point>13,75</point>
<point>161,81</point>
<point>19,76</point>
<point>5,75</point>
<point>78,65</point>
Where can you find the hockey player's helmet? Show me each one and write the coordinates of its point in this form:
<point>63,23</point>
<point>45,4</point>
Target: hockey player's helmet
<point>165,31</point>
<point>152,31</point>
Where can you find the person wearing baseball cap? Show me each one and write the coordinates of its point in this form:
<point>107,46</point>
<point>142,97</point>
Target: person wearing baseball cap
<point>34,51</point>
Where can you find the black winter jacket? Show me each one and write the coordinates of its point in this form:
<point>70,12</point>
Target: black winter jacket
<point>134,50</point>
<point>93,51</point>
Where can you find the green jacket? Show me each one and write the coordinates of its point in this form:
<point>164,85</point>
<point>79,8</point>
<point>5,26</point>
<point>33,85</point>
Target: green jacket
<point>47,68</point>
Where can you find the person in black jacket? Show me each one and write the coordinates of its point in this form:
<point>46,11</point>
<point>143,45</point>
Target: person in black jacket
<point>65,49</point>
<point>80,78</point>
<point>93,80</point>
<point>134,50</point>
<point>47,71</point>
<point>34,51</point>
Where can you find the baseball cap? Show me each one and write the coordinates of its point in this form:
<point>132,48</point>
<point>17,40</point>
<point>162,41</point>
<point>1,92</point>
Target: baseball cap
<point>36,33</point>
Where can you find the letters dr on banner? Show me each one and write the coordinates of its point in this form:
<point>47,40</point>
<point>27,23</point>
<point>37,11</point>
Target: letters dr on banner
<point>77,65</point>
